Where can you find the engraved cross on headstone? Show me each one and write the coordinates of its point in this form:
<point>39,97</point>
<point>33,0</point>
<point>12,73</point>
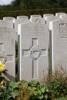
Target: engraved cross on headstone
<point>34,52</point>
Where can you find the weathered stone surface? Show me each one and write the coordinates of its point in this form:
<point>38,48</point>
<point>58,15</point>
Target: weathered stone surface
<point>33,50</point>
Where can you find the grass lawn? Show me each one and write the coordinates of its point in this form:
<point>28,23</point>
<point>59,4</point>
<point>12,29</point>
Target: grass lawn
<point>63,98</point>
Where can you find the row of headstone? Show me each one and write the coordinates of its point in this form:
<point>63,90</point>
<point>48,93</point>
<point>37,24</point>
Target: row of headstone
<point>34,45</point>
<point>35,36</point>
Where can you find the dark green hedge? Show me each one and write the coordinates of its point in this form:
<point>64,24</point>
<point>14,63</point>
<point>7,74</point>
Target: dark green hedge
<point>31,12</point>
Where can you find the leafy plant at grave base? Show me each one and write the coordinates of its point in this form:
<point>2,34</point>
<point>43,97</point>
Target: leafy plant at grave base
<point>33,90</point>
<point>39,91</point>
<point>58,85</point>
<point>24,90</point>
<point>9,92</point>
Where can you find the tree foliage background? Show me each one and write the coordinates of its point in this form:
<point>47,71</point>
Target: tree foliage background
<point>35,4</point>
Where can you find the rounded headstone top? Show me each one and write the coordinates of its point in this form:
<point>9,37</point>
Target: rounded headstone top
<point>22,17</point>
<point>47,18</point>
<point>55,20</point>
<point>35,18</point>
<point>63,17</point>
<point>6,24</point>
<point>59,21</point>
<point>12,19</point>
<point>9,18</point>
<point>60,13</point>
<point>50,18</point>
<point>46,15</point>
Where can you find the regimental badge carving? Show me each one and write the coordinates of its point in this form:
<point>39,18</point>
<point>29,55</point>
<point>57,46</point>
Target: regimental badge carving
<point>35,52</point>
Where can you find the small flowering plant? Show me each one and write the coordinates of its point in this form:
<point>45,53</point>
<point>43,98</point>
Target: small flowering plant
<point>2,69</point>
<point>2,84</point>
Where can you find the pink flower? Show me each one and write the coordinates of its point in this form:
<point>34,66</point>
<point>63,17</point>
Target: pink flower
<point>2,86</point>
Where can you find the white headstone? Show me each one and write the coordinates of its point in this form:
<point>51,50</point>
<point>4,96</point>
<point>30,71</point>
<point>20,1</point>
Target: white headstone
<point>33,50</point>
<point>59,45</point>
<point>7,51</point>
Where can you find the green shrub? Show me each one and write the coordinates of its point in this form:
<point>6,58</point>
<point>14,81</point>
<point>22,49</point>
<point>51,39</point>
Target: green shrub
<point>24,90</point>
<point>40,92</point>
<point>58,84</point>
